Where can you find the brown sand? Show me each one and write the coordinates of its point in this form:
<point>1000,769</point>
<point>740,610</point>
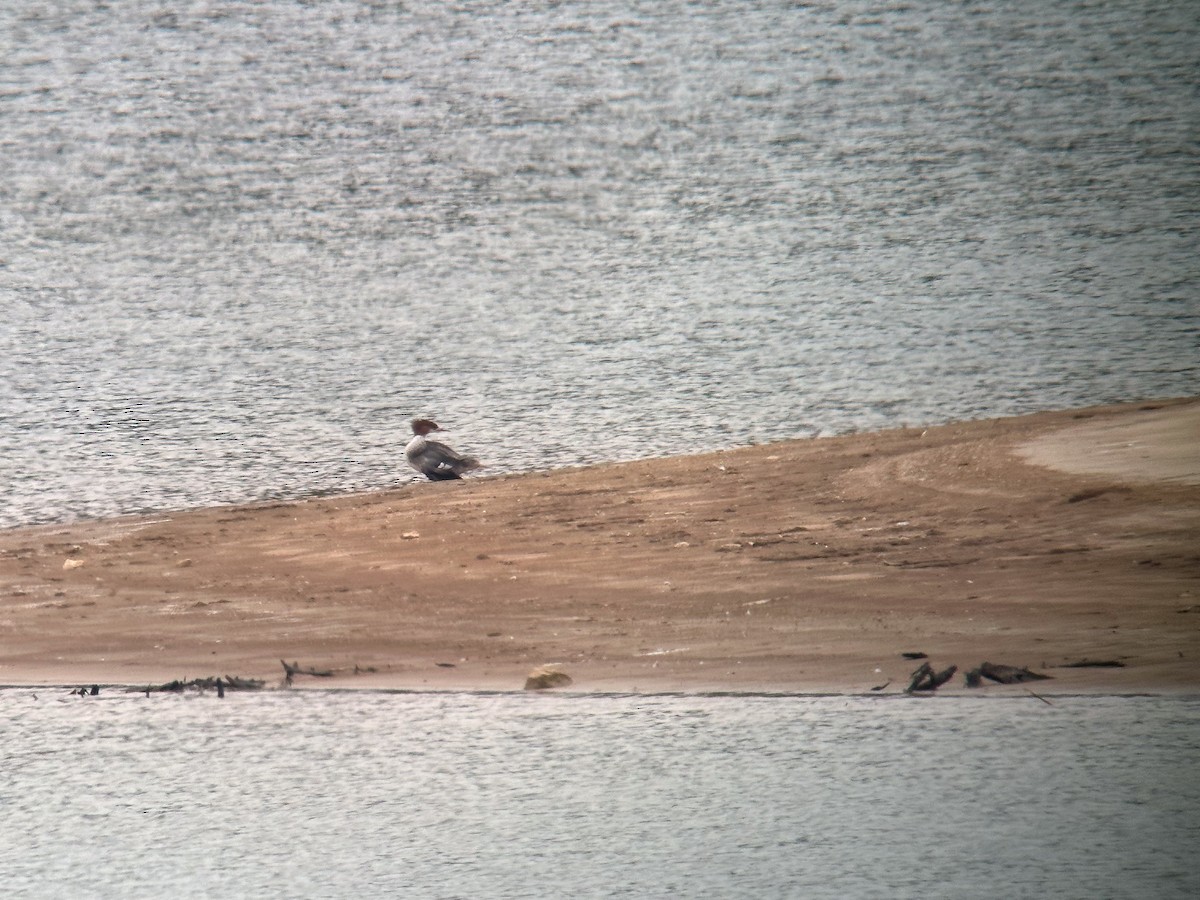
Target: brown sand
<point>801,566</point>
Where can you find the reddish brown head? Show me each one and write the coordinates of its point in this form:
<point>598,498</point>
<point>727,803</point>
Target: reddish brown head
<point>424,426</point>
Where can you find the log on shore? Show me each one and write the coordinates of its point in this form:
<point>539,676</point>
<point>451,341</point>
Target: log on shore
<point>294,669</point>
<point>1009,674</point>
<point>216,682</point>
<point>1093,664</point>
<point>926,679</point>
<point>243,684</point>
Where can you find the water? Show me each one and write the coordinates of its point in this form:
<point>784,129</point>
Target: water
<point>488,796</point>
<point>241,244</point>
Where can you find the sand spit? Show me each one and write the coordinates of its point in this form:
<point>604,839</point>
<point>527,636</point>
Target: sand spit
<point>1040,541</point>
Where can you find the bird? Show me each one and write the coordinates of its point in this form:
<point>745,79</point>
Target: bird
<point>435,461</point>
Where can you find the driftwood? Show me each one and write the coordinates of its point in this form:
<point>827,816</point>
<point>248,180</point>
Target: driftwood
<point>243,684</point>
<point>1093,664</point>
<point>1009,674</point>
<point>218,683</point>
<point>291,671</point>
<point>925,679</point>
<point>1038,697</point>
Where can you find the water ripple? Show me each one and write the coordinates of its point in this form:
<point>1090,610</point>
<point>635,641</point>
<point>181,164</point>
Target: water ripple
<point>243,244</point>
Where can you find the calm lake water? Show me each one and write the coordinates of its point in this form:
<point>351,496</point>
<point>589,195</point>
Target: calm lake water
<point>291,794</point>
<point>242,243</point>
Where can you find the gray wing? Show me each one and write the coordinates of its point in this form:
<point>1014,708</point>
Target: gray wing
<point>440,458</point>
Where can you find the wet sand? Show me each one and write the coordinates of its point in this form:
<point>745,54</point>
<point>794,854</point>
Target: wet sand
<point>806,566</point>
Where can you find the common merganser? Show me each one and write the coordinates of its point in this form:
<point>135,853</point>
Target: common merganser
<point>435,461</point>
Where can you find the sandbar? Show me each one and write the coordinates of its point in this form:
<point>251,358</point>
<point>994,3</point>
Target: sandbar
<point>811,566</point>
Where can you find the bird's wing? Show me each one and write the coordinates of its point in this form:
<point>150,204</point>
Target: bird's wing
<point>440,457</point>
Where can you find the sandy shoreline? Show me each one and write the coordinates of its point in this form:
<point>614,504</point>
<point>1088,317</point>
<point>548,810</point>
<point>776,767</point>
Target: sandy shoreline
<point>805,566</point>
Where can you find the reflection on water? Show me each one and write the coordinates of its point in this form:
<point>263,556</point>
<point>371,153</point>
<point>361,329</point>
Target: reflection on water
<point>509,795</point>
<point>244,243</point>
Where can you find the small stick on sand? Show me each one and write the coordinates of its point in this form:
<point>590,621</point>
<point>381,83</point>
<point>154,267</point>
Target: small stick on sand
<point>1039,696</point>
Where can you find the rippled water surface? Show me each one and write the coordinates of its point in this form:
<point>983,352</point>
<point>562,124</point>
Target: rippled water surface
<point>241,244</point>
<point>424,795</point>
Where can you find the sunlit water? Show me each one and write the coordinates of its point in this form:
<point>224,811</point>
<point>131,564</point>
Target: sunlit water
<point>477,796</point>
<point>242,243</point>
